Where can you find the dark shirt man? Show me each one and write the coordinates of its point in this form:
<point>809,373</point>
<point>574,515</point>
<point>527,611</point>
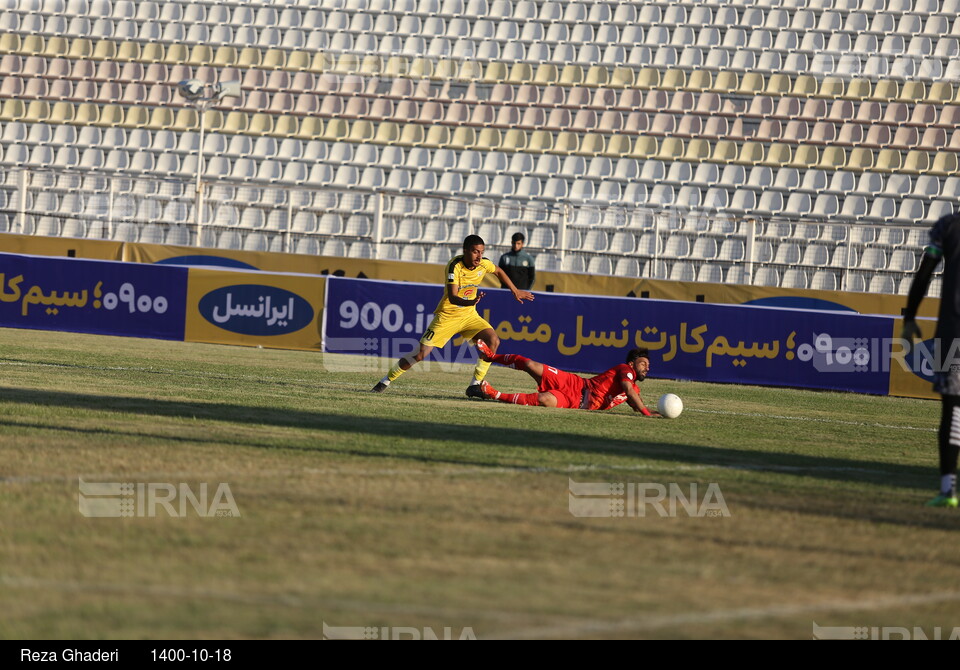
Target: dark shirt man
<point>518,264</point>
<point>944,245</point>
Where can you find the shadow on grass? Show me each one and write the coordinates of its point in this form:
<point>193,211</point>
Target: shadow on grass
<point>836,469</point>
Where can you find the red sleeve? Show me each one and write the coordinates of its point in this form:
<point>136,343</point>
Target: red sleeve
<point>626,373</point>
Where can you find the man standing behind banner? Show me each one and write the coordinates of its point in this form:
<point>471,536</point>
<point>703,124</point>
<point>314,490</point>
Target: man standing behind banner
<point>518,264</point>
<point>944,244</point>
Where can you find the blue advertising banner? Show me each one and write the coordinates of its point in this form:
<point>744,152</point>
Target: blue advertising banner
<point>86,296</point>
<point>696,341</point>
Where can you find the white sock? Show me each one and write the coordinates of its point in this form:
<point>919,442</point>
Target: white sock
<point>475,382</point>
<point>385,381</point>
<point>948,485</point>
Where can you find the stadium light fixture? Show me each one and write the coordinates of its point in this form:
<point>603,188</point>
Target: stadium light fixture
<point>202,97</point>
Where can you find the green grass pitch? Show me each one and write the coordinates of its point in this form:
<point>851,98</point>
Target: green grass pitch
<point>419,509</point>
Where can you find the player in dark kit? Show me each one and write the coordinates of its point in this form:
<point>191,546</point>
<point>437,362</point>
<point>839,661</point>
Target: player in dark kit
<point>558,388</point>
<point>944,244</point>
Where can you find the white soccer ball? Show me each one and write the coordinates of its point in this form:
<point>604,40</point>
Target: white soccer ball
<point>670,405</point>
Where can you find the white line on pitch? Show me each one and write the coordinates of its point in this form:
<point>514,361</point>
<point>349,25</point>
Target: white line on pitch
<point>569,629</point>
<point>588,628</point>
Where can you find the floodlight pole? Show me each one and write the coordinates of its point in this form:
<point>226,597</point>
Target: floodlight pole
<point>201,106</point>
<point>202,109</point>
<point>190,90</point>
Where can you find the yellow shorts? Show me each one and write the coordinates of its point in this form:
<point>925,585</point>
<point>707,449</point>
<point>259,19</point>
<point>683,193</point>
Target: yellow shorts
<point>444,326</point>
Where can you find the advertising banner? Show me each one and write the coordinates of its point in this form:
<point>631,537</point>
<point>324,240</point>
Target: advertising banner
<point>86,296</point>
<point>254,308</point>
<point>704,342</point>
<point>547,282</point>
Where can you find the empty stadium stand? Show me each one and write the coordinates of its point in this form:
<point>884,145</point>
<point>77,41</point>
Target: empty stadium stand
<point>797,143</point>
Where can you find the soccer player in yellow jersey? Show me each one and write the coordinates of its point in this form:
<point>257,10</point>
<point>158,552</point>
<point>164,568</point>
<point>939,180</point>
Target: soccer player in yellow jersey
<point>457,314</point>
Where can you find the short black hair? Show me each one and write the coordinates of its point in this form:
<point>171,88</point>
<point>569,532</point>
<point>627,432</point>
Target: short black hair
<point>472,241</point>
<point>640,352</point>
<point>518,237</point>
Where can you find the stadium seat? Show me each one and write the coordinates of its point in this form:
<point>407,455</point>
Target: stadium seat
<point>745,110</point>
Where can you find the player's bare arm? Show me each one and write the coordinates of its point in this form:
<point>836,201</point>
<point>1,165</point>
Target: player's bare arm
<point>634,399</point>
<point>517,293</point>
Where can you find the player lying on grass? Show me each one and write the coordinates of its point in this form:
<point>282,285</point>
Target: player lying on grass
<point>457,314</point>
<point>557,388</point>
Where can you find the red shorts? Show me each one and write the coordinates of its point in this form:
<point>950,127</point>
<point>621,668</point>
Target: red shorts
<point>566,387</point>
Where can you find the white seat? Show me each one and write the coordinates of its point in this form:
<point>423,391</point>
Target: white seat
<point>600,265</point>
<point>346,176</point>
<point>650,244</point>
<point>542,237</point>
<point>903,260</point>
<point>743,201</point>
<point>336,248</point>
<point>788,253</point>
<point>682,271</point>
<point>766,277</point>
<point>794,278</point>
<point>409,230</point>
<point>854,207</point>
<point>938,209</point>
<point>710,273</point>
<point>912,210</point>
<point>704,248</point>
<point>623,243</point>
<point>762,251</point>
<point>307,245</point>
<point>627,267</point>
<point>360,250</point>
<point>595,240</point>
<point>573,263</point>
<point>873,259</point>
<point>252,217</point>
<point>824,280</point>
<point>883,209</point>
<point>304,222</point>
<point>882,284</point>
<point>678,246</point>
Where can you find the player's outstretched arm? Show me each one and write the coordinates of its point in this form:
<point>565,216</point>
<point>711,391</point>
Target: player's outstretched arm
<point>918,289</point>
<point>634,399</point>
<point>517,293</point>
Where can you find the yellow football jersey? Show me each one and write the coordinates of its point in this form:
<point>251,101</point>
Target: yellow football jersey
<point>467,281</point>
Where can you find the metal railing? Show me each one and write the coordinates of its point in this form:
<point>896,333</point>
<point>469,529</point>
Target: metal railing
<point>635,240</point>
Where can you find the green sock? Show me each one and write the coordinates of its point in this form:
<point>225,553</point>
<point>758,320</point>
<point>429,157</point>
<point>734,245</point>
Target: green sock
<point>480,371</point>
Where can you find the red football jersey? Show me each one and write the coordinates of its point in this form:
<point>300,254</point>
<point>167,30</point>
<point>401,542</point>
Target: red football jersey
<point>605,389</point>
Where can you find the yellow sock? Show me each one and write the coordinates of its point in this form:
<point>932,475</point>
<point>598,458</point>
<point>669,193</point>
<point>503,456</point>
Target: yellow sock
<point>395,372</point>
<point>480,371</point>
